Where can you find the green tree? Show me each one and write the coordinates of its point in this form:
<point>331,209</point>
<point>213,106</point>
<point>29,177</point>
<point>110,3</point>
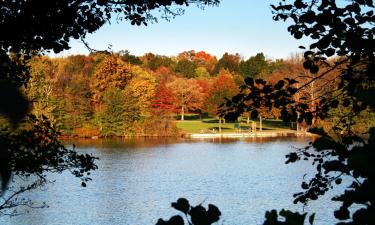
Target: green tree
<point>256,66</point>
<point>201,72</point>
<point>132,59</point>
<point>228,62</point>
<point>79,103</point>
<point>154,62</point>
<point>120,112</point>
<point>186,68</point>
<point>112,118</point>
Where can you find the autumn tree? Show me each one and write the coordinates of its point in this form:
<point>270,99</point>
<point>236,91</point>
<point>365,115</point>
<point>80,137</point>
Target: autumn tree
<point>164,74</point>
<point>142,87</point>
<point>188,55</point>
<point>161,123</point>
<point>223,87</point>
<point>111,72</point>
<point>40,88</point>
<point>187,95</point>
<point>203,59</point>
<point>163,102</point>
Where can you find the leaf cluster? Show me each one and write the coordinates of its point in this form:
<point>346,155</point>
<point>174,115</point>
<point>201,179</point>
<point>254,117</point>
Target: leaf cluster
<point>290,218</point>
<point>258,94</point>
<point>35,150</point>
<point>350,157</point>
<point>195,215</point>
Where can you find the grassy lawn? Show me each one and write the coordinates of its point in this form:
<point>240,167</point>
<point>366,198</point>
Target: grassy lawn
<point>207,125</point>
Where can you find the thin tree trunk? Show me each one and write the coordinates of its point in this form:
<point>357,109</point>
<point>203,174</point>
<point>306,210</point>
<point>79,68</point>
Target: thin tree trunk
<point>182,113</point>
<point>248,120</point>
<point>260,123</point>
<point>219,125</point>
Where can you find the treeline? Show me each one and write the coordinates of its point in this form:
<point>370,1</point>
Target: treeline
<point>119,94</point>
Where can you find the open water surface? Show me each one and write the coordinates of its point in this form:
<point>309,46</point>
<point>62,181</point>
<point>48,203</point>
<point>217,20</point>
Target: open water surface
<point>138,179</point>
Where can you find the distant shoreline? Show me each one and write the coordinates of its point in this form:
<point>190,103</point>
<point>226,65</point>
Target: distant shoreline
<point>255,134</point>
<point>209,135</point>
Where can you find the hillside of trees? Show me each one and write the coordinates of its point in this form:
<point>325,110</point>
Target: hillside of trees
<point>118,94</point>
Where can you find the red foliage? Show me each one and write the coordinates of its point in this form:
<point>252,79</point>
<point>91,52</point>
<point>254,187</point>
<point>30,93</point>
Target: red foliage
<point>164,74</point>
<point>225,81</point>
<point>206,86</point>
<point>203,56</point>
<point>163,101</point>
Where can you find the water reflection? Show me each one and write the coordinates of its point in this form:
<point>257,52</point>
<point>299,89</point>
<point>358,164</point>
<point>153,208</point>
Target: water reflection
<point>139,142</point>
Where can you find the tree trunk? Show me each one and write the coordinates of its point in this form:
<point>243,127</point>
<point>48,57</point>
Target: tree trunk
<point>182,113</point>
<point>260,123</point>
<point>219,125</point>
<point>248,120</point>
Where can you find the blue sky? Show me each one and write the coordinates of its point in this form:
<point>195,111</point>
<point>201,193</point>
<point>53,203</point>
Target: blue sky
<point>235,26</point>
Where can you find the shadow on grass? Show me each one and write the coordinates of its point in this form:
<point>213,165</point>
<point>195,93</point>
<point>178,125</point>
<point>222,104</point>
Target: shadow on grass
<point>217,128</point>
<point>189,117</point>
<point>275,124</point>
<point>210,121</point>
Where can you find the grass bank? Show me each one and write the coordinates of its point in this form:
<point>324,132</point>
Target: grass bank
<point>210,125</point>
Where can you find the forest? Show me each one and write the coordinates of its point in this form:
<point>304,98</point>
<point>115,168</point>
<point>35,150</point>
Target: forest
<point>119,94</point>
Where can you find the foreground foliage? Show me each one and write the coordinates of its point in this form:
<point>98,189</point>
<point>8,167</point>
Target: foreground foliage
<point>30,153</point>
<point>196,215</point>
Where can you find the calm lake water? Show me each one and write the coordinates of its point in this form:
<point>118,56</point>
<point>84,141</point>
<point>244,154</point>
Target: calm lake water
<point>137,180</point>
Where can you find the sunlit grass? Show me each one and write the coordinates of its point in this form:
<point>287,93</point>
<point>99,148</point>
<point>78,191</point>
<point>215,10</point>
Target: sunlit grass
<point>208,125</point>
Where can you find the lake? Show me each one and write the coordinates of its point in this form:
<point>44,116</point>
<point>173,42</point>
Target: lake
<point>138,179</point>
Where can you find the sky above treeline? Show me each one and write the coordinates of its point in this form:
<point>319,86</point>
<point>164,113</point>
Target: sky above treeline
<point>235,26</point>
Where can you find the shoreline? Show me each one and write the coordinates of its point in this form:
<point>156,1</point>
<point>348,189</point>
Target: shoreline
<point>207,135</point>
<point>244,135</point>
